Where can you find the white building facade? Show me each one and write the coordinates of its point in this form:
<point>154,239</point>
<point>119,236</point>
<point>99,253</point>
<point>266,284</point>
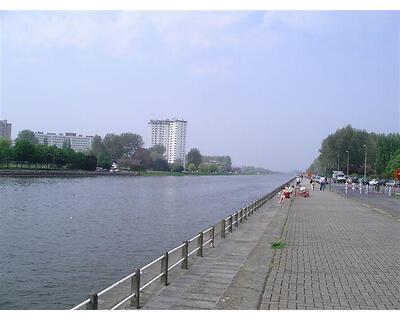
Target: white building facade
<point>5,130</point>
<point>77,142</point>
<point>172,135</point>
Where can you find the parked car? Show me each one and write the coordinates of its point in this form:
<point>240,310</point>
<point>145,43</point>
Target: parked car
<point>393,183</point>
<point>364,181</point>
<point>383,182</point>
<point>354,179</point>
<point>373,182</point>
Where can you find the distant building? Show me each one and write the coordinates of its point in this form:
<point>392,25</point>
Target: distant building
<point>77,142</point>
<point>172,135</point>
<point>5,130</point>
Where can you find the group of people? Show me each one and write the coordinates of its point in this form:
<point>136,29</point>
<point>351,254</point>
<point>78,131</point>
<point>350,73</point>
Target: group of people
<point>288,190</point>
<point>285,193</point>
<point>322,183</point>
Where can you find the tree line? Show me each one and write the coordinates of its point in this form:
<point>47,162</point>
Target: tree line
<point>383,153</point>
<point>208,164</point>
<point>28,153</point>
<point>126,149</point>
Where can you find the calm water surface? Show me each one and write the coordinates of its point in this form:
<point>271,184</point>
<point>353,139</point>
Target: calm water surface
<point>62,238</point>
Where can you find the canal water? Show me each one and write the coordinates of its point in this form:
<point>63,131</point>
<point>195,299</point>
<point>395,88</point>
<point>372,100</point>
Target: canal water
<point>62,238</point>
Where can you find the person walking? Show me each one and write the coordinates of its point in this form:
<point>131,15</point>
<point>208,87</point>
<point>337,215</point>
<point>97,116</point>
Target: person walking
<point>322,182</point>
<point>312,183</point>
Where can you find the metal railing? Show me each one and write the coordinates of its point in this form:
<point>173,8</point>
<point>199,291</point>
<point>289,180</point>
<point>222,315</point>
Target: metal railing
<point>131,287</point>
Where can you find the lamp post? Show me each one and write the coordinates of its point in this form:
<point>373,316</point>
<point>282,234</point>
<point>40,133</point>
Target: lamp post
<point>347,173</point>
<point>365,163</point>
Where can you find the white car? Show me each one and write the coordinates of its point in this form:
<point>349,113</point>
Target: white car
<point>373,182</point>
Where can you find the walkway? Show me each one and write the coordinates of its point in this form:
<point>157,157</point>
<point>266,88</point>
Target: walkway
<point>339,255</point>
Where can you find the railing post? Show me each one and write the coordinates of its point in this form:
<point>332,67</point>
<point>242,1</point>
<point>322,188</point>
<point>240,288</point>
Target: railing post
<point>230,224</point>
<point>240,213</point>
<point>243,214</point>
<point>200,244</point>
<point>164,269</point>
<point>93,304</point>
<point>223,228</point>
<point>185,255</point>
<point>213,236</point>
<point>237,220</point>
<point>135,288</point>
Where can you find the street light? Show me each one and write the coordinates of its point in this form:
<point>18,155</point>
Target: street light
<point>347,151</point>
<point>365,163</point>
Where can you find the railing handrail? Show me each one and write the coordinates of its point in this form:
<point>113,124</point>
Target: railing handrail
<point>245,211</point>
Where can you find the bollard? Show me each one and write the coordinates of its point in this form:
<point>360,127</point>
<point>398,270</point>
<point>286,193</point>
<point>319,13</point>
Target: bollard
<point>135,288</point>
<point>345,188</point>
<point>223,228</point>
<point>367,189</point>
<point>164,269</point>
<point>200,244</point>
<point>353,186</point>
<point>93,304</point>
<point>360,188</point>
<point>185,255</point>
<point>390,192</point>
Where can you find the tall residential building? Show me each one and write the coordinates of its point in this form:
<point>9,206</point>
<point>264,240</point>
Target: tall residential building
<point>172,135</point>
<point>5,130</point>
<point>77,142</point>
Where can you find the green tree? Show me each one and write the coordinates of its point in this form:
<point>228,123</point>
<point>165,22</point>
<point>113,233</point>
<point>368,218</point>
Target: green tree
<point>24,151</point>
<point>194,156</point>
<point>393,164</point>
<point>160,165</point>
<point>97,146</point>
<point>40,154</point>
<point>226,164</point>
<point>157,152</point>
<point>113,146</point>
<point>5,151</point>
<point>27,135</point>
<point>104,161</point>
<point>387,146</point>
<point>177,166</point>
<point>143,155</point>
<point>130,142</point>
<point>191,167</point>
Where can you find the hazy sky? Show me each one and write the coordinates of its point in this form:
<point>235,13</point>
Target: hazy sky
<point>262,87</point>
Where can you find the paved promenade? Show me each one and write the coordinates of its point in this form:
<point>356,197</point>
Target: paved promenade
<point>339,255</point>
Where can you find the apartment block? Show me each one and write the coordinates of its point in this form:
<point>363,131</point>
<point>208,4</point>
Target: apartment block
<point>171,133</point>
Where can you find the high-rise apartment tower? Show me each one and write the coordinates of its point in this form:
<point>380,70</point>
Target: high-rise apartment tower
<point>171,133</point>
<point>5,130</point>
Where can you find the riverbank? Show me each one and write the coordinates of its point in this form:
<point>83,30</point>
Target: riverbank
<point>39,173</point>
<point>28,173</point>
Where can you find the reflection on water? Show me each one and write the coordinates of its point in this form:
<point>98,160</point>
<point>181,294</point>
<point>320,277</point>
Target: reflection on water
<point>62,238</point>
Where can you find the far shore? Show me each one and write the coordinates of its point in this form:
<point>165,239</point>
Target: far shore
<point>40,173</point>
